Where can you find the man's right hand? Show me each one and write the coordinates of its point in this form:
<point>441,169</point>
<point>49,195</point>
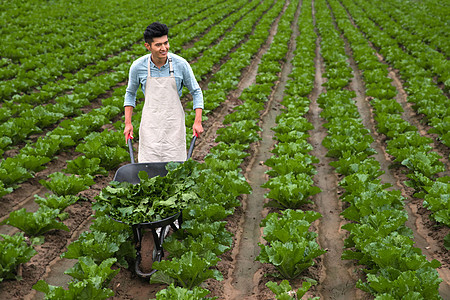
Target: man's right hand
<point>128,132</point>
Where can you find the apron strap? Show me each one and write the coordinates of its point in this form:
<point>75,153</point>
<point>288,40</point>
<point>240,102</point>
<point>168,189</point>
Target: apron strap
<point>149,74</point>
<point>170,67</point>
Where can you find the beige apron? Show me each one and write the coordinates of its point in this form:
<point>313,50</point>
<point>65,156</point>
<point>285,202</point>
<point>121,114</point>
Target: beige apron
<point>162,132</point>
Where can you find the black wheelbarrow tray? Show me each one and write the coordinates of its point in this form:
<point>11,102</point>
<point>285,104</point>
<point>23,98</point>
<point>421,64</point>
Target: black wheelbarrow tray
<point>130,173</point>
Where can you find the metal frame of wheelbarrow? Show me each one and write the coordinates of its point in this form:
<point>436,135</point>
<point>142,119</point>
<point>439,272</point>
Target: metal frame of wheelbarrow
<point>130,173</point>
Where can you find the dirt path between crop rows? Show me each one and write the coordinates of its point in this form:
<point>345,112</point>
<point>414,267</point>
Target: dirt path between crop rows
<point>246,274</point>
<point>339,278</point>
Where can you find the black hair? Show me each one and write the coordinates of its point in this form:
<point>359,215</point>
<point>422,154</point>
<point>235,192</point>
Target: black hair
<point>155,29</point>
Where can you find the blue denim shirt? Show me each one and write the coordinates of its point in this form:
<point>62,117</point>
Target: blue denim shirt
<point>184,76</point>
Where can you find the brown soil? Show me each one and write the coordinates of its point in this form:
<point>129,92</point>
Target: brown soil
<point>147,247</point>
<point>338,276</point>
<point>243,277</point>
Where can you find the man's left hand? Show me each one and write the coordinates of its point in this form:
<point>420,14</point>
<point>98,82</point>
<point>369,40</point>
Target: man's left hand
<point>197,128</point>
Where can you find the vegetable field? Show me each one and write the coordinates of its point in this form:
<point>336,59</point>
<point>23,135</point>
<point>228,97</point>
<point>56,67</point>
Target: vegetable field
<point>323,171</point>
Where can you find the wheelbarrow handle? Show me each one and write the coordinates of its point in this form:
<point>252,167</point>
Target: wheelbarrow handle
<point>191,147</point>
<point>130,147</point>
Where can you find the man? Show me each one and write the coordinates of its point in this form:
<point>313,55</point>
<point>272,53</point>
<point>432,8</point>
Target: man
<point>162,75</point>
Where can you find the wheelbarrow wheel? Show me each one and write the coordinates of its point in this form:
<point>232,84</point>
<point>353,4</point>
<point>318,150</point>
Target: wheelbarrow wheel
<point>148,251</point>
<point>152,245</point>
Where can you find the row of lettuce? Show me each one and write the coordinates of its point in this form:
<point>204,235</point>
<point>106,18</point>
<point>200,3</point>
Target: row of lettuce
<point>404,142</point>
<point>379,238</point>
<point>290,245</point>
<point>415,17</point>
<point>416,62</point>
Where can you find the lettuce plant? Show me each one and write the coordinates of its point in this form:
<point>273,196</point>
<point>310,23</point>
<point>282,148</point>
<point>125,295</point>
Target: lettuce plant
<point>437,200</point>
<point>172,292</point>
<point>101,246</point>
<point>284,291</point>
<point>86,268</point>
<point>187,271</point>
<point>3,190</point>
<point>85,166</point>
<point>90,288</point>
<point>12,172</point>
<point>285,164</point>
<point>35,223</point>
<point>63,185</point>
<point>13,251</point>
<point>244,132</point>
<point>290,190</point>
<point>291,247</point>
<point>55,202</point>
<point>290,258</point>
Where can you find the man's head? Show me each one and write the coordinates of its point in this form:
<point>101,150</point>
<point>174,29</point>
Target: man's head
<point>153,30</point>
<point>157,41</point>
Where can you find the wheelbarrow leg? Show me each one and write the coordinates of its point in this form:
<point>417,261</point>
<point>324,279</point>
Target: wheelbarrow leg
<point>177,226</point>
<point>158,238</point>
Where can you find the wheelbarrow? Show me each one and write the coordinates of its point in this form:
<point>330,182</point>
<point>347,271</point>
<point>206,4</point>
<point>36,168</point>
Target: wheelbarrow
<point>159,229</point>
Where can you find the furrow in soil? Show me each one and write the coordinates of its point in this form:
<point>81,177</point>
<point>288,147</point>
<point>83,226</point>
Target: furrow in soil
<point>246,249</point>
<point>338,279</point>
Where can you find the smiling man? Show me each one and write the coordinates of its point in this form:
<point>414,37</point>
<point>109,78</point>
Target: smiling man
<point>161,75</point>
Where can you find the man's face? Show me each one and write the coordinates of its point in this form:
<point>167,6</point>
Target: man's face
<point>159,47</point>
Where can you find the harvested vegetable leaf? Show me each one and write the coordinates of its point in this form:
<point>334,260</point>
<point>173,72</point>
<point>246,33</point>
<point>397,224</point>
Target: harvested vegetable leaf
<point>152,199</point>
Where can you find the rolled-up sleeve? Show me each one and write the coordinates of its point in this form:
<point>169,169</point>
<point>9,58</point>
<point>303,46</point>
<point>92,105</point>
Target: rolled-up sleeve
<point>133,85</point>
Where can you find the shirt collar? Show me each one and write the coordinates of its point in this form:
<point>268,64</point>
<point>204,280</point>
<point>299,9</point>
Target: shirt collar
<point>152,64</point>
